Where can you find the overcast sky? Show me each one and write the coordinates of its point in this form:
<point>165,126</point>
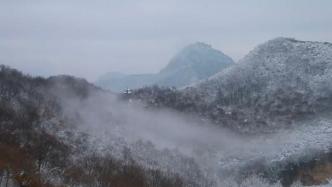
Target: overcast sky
<point>89,38</point>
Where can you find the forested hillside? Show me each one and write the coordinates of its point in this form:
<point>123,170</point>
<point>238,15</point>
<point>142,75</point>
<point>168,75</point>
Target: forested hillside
<point>40,145</point>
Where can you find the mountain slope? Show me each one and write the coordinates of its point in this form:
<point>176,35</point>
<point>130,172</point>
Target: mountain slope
<point>193,63</point>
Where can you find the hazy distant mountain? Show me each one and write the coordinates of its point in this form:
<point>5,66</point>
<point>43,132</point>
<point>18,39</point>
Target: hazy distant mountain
<point>195,62</point>
<point>118,82</point>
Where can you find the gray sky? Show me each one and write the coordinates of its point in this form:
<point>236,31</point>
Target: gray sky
<point>89,38</point>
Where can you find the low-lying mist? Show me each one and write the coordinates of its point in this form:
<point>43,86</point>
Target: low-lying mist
<point>220,153</point>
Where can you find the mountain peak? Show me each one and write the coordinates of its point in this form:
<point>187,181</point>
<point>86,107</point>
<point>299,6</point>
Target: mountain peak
<point>288,42</point>
<point>285,50</point>
<point>197,45</point>
<point>283,39</point>
<point>197,55</point>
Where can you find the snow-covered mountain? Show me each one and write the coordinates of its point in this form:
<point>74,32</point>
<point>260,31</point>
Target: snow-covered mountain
<point>194,63</point>
<point>283,78</point>
<point>277,64</point>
